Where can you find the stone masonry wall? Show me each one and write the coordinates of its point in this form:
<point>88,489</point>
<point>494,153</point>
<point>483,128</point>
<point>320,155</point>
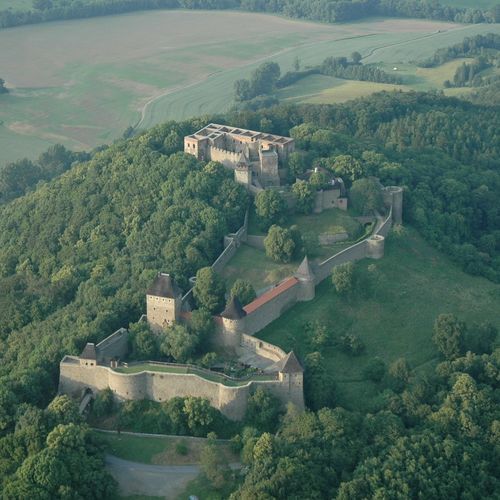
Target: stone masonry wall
<point>227,158</point>
<point>271,310</point>
<point>116,345</point>
<point>158,386</point>
<point>264,349</point>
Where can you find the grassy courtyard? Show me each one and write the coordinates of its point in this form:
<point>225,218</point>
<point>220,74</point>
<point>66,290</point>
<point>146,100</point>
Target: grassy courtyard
<point>412,285</point>
<point>183,370</point>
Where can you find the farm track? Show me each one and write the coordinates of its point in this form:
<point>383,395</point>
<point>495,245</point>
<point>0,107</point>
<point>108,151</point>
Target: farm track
<point>149,108</point>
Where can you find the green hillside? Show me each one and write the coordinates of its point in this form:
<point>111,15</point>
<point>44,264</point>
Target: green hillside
<point>408,289</point>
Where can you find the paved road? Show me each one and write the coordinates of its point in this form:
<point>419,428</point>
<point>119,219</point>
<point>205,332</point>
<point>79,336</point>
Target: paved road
<point>151,480</point>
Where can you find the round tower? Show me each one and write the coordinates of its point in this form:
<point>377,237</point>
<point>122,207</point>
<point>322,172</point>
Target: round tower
<point>394,196</point>
<point>376,244</point>
<point>305,275</point>
<point>233,317</point>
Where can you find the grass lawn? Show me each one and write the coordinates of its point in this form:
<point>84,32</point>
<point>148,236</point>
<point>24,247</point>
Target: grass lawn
<point>252,265</point>
<point>412,285</point>
<point>159,450</point>
<point>332,221</point>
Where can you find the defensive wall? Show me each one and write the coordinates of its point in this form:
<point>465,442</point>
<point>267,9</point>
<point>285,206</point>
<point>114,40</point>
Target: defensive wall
<point>114,346</point>
<point>161,386</point>
<point>227,158</point>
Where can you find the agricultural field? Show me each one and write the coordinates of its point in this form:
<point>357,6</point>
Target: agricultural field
<point>471,4</point>
<point>393,315</point>
<point>16,4</point>
<point>83,82</point>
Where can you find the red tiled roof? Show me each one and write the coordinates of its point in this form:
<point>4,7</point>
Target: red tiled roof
<point>271,294</point>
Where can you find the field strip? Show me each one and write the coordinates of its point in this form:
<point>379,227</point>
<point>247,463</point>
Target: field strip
<point>423,37</point>
<point>147,110</point>
<point>254,61</point>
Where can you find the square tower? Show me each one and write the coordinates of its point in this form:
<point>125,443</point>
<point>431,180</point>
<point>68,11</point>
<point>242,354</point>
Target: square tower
<point>163,302</point>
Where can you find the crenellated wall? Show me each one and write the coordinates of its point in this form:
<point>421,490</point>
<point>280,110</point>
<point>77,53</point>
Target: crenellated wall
<point>227,158</point>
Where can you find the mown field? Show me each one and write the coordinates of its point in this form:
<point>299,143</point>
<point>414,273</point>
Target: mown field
<point>83,82</point>
<point>410,287</point>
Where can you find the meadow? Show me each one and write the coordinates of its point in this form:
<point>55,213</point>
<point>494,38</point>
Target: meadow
<point>83,82</point>
<point>409,288</point>
<point>164,450</point>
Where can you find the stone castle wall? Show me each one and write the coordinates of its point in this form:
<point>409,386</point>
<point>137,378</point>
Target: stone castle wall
<point>114,346</point>
<point>159,386</point>
<point>264,349</point>
<point>271,310</point>
<point>227,158</point>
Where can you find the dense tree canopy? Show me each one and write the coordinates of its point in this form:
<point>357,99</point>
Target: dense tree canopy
<point>320,10</point>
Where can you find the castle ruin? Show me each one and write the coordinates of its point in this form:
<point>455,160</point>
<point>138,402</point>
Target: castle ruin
<point>101,366</point>
<point>256,157</point>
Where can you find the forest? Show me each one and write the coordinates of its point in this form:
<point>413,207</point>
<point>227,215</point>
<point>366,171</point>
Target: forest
<point>81,242</point>
<point>322,10</point>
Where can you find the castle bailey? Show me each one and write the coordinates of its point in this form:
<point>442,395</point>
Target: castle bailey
<point>102,366</point>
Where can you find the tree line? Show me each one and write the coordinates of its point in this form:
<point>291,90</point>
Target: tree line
<point>322,10</point>
<point>258,91</point>
<point>478,45</point>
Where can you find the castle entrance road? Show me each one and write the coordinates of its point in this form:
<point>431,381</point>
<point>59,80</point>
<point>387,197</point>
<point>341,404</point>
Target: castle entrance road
<point>150,480</point>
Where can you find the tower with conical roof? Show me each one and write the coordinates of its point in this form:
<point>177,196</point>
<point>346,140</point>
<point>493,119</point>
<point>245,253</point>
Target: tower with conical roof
<point>306,278</point>
<point>291,376</point>
<point>163,302</point>
<point>233,318</point>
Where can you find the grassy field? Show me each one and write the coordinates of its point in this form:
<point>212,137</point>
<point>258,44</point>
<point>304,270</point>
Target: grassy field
<point>473,4</point>
<point>16,4</point>
<point>320,89</point>
<point>412,285</point>
<point>159,450</point>
<point>82,82</point>
<point>252,265</point>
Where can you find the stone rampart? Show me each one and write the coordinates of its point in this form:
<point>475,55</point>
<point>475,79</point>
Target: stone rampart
<point>355,252</point>
<point>225,257</point>
<point>161,386</point>
<point>114,346</point>
<point>227,158</point>
<point>256,241</point>
<point>264,349</point>
<point>271,308</point>
<point>385,227</point>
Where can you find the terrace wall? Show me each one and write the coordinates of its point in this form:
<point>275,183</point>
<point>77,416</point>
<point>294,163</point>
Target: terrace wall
<point>264,349</point>
<point>160,386</point>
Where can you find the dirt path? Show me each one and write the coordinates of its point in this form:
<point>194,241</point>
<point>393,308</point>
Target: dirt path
<point>150,480</point>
